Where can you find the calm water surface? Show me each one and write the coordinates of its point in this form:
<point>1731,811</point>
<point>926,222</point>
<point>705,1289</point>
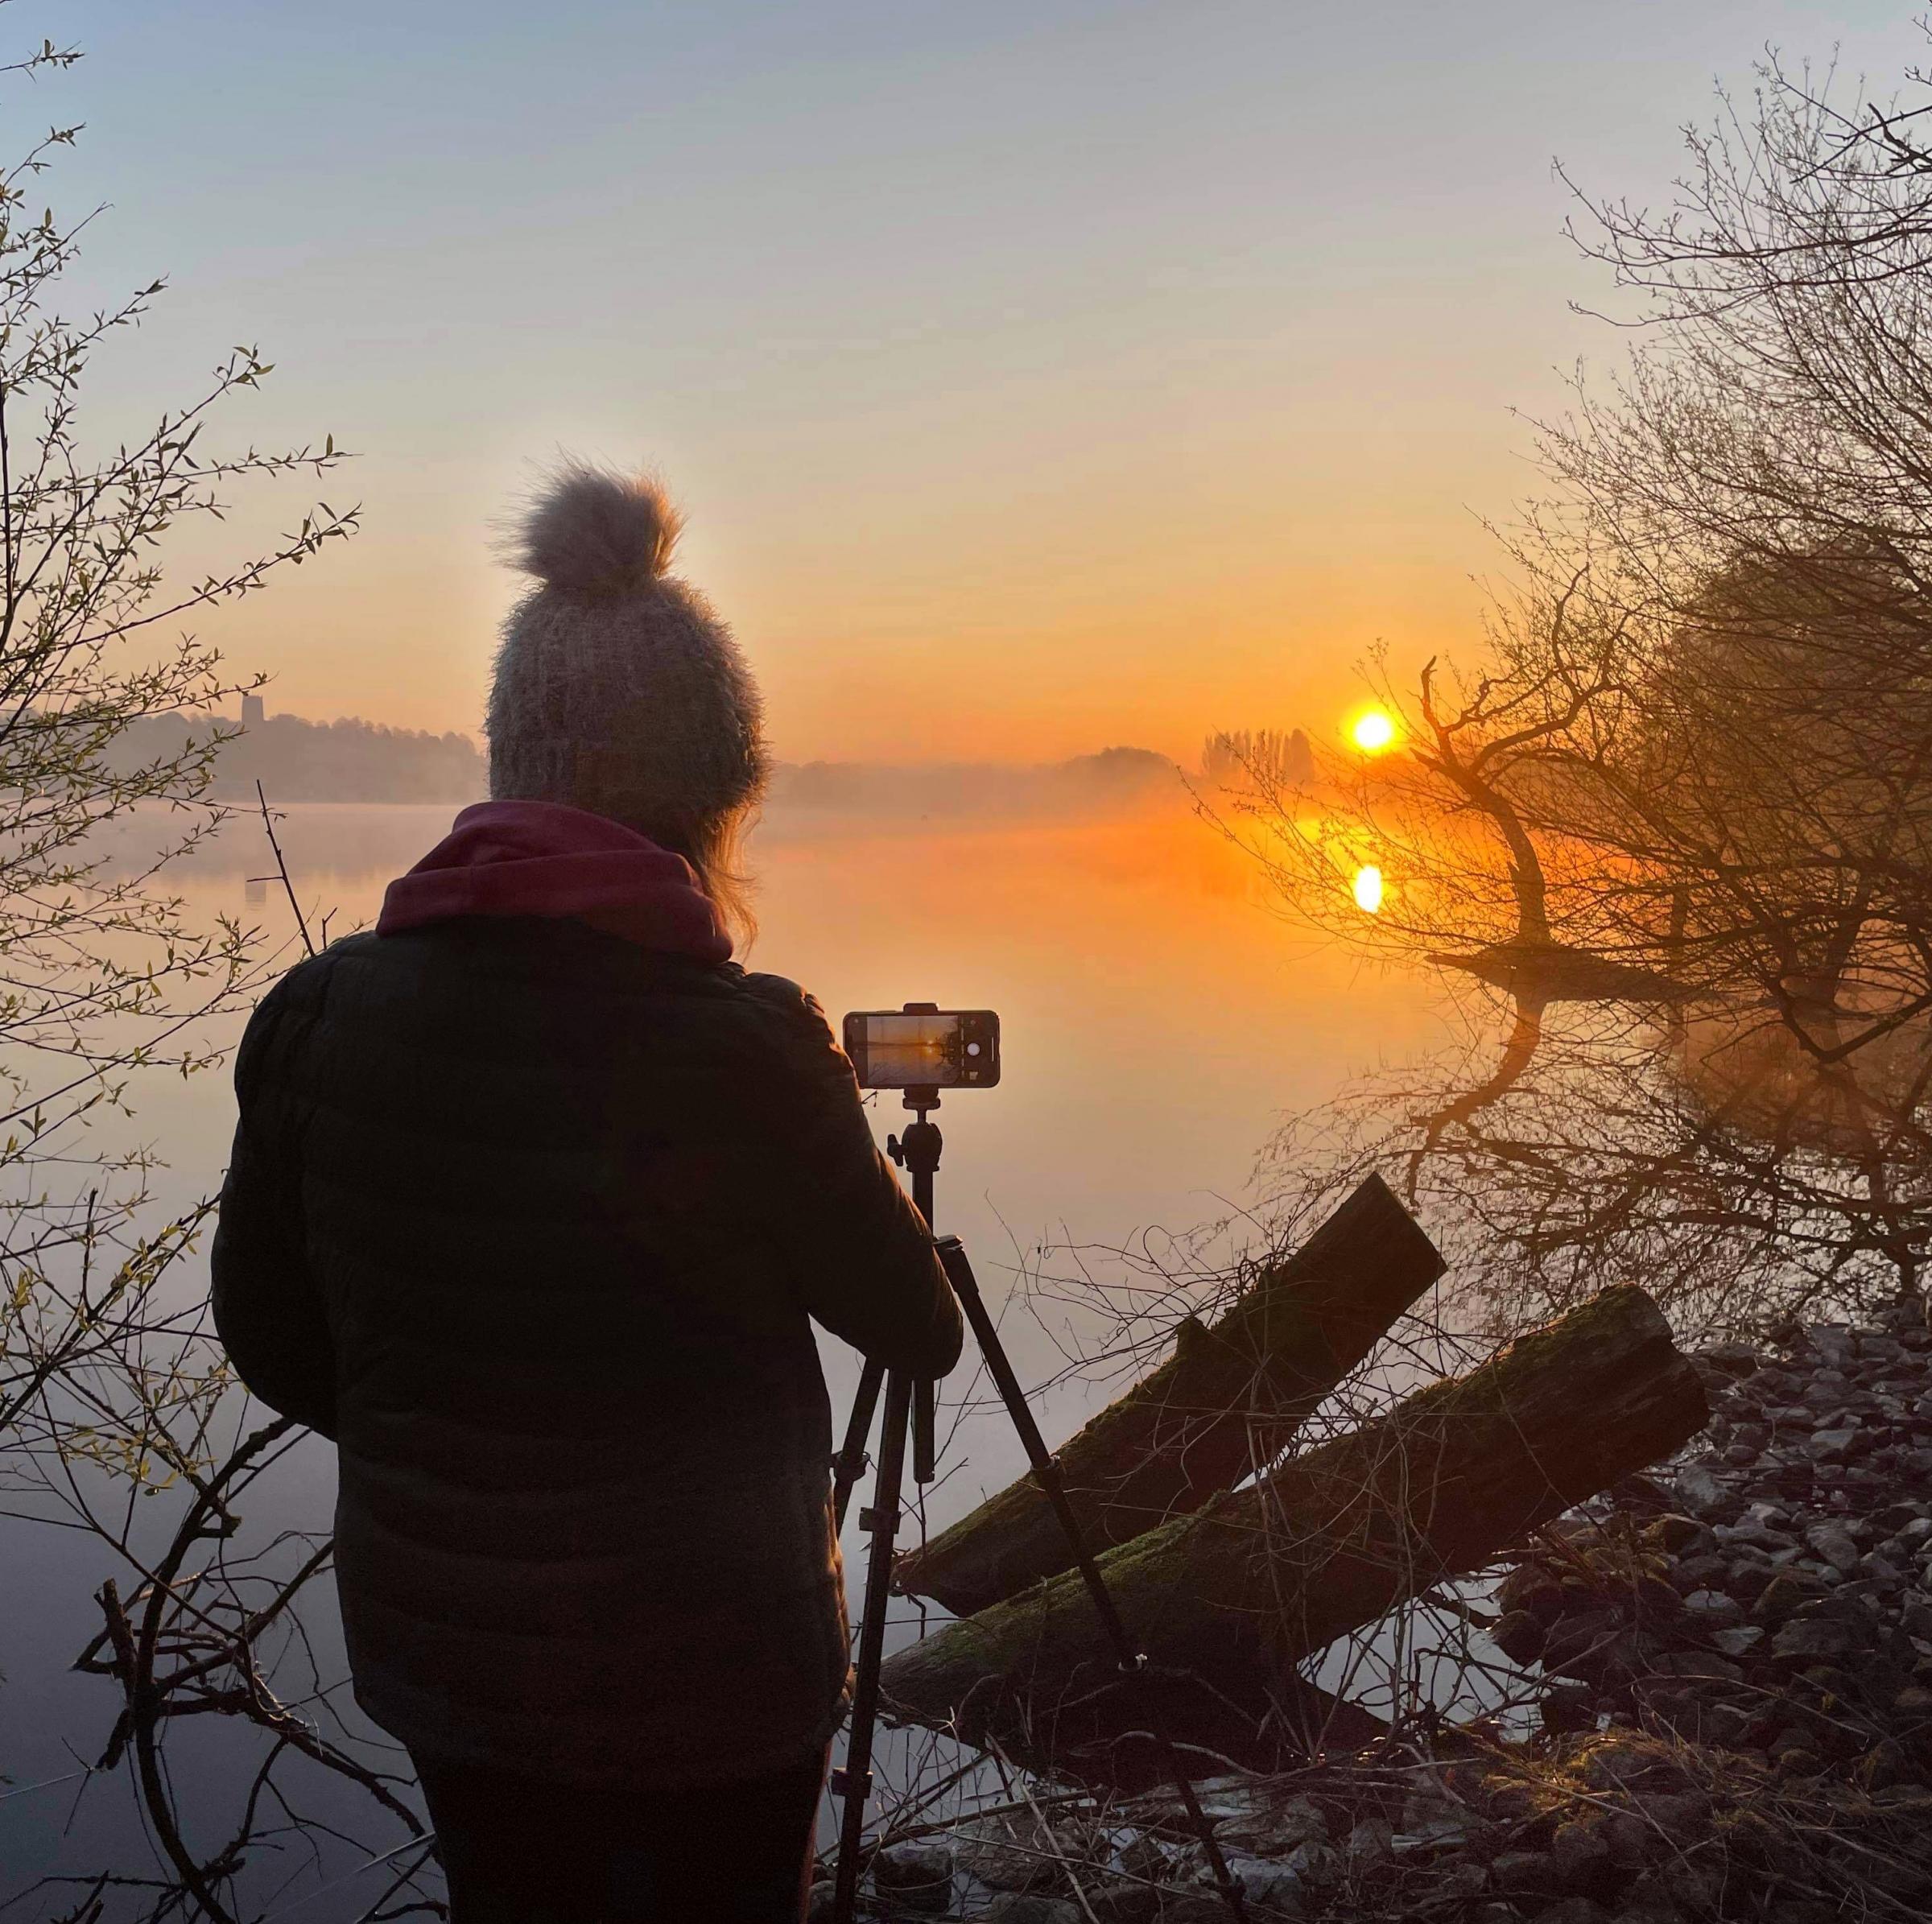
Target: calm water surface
<point>1156,1019</point>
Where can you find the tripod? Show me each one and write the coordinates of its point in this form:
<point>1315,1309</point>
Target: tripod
<point>909,1406</point>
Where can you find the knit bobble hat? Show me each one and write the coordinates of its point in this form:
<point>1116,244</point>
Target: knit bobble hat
<point>616,689</point>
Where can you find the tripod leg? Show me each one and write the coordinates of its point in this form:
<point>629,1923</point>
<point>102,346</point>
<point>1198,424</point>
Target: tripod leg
<point>882,1520</point>
<point>1046,1473</point>
<point>925,1426</point>
<point>848,1466</point>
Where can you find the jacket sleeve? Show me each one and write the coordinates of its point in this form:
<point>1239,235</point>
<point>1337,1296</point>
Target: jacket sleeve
<point>862,1256</point>
<point>268,1310</point>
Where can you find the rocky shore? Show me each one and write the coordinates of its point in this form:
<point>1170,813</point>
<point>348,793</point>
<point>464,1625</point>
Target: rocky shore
<point>1722,1676</point>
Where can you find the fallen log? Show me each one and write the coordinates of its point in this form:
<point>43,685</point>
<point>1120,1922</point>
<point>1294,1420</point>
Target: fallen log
<point>1225,1602</point>
<point>1231,1394</point>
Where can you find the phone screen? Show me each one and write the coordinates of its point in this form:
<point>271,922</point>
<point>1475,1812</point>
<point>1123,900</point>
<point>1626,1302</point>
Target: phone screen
<point>944,1049</point>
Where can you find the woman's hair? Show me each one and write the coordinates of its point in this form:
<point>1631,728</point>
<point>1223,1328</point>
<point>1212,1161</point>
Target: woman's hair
<point>713,843</point>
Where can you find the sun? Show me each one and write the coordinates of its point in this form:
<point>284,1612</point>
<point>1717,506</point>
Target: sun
<point>1372,730</point>
<point>1368,890</point>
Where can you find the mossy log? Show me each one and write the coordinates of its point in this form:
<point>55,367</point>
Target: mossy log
<point>1231,1393</point>
<point>1225,1602</point>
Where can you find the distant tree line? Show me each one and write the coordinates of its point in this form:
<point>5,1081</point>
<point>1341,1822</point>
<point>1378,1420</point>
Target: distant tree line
<point>351,760</point>
<point>1115,778</point>
<point>1265,754</point>
<point>297,760</point>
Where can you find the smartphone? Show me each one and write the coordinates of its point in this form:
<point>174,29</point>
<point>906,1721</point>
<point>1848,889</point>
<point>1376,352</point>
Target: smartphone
<point>924,1048</point>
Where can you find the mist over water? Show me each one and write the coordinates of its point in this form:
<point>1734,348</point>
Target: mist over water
<point>1156,1018</point>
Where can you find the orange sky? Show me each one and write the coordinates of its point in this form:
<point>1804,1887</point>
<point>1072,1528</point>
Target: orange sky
<point>1036,377</point>
<point>1015,629</point>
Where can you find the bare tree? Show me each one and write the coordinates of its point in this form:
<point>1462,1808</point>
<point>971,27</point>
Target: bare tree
<point>116,1417</point>
<point>1667,838</point>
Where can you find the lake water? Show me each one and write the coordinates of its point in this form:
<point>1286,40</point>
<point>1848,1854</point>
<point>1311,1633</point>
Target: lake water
<point>1157,1019</point>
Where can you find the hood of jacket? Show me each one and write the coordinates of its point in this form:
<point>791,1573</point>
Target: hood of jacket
<point>545,859</point>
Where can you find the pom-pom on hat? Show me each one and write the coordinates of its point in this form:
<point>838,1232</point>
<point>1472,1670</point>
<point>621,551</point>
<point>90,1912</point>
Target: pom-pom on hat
<point>617,688</point>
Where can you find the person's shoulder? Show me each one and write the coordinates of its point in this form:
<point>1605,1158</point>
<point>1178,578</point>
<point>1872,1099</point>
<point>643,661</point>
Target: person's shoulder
<point>285,1013</point>
<point>306,983</point>
<point>790,1022</point>
<point>781,994</point>
<point>792,1010</point>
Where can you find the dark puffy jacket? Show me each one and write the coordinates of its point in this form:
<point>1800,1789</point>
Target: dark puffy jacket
<point>530,1220</point>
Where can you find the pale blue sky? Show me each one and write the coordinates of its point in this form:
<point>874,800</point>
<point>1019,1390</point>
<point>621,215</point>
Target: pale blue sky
<point>1036,375</point>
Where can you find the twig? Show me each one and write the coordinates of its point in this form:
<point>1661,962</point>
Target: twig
<point>288,887</point>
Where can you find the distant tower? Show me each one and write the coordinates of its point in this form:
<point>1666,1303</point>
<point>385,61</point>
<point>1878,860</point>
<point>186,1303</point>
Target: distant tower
<point>252,711</point>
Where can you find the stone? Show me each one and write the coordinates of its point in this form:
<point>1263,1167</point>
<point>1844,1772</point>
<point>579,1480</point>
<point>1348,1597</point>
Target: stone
<point>1429,1817</point>
<point>1574,1910</point>
<point>1125,1904</point>
<point>1525,1872</point>
<point>1815,1637</point>
<point>1793,1758</point>
<point>1273,1829</point>
<point>1674,1535</point>
<point>1653,1596</point>
<point>1519,1635</point>
<point>1753,1536</point>
<point>919,1876</point>
<point>1580,1853</point>
<point>1702,1666</point>
<point>1850,1604</point>
<point>1316,1863</point>
<point>1651,1899</point>
<point>1681,1814</point>
<point>1833,1446</point>
<point>1369,1844</point>
<point>1625,1758</point>
<point>1730,1359</point>
<point>1182,1908</point>
<point>818,1900</point>
<point>1023,1907</point>
<point>1785,1594</point>
<point>1913,1704</point>
<point>1630,1839</point>
<point>1737,1641</point>
<point>1532,1588</point>
<point>1674,1706</point>
<point>1577,1644</point>
<point>1883,1765</point>
<point>1713,1609</point>
<point>1146,1858</point>
<point>1701,1491</point>
<point>1705,1571</point>
<point>1568,1706</point>
<point>1004,1859</point>
<point>1270,1884</point>
<point>1833,1543</point>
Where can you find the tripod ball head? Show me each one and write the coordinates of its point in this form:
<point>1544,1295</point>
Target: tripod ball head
<point>918,1147</point>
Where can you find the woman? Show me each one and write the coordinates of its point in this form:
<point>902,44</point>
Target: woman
<point>532,1195</point>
